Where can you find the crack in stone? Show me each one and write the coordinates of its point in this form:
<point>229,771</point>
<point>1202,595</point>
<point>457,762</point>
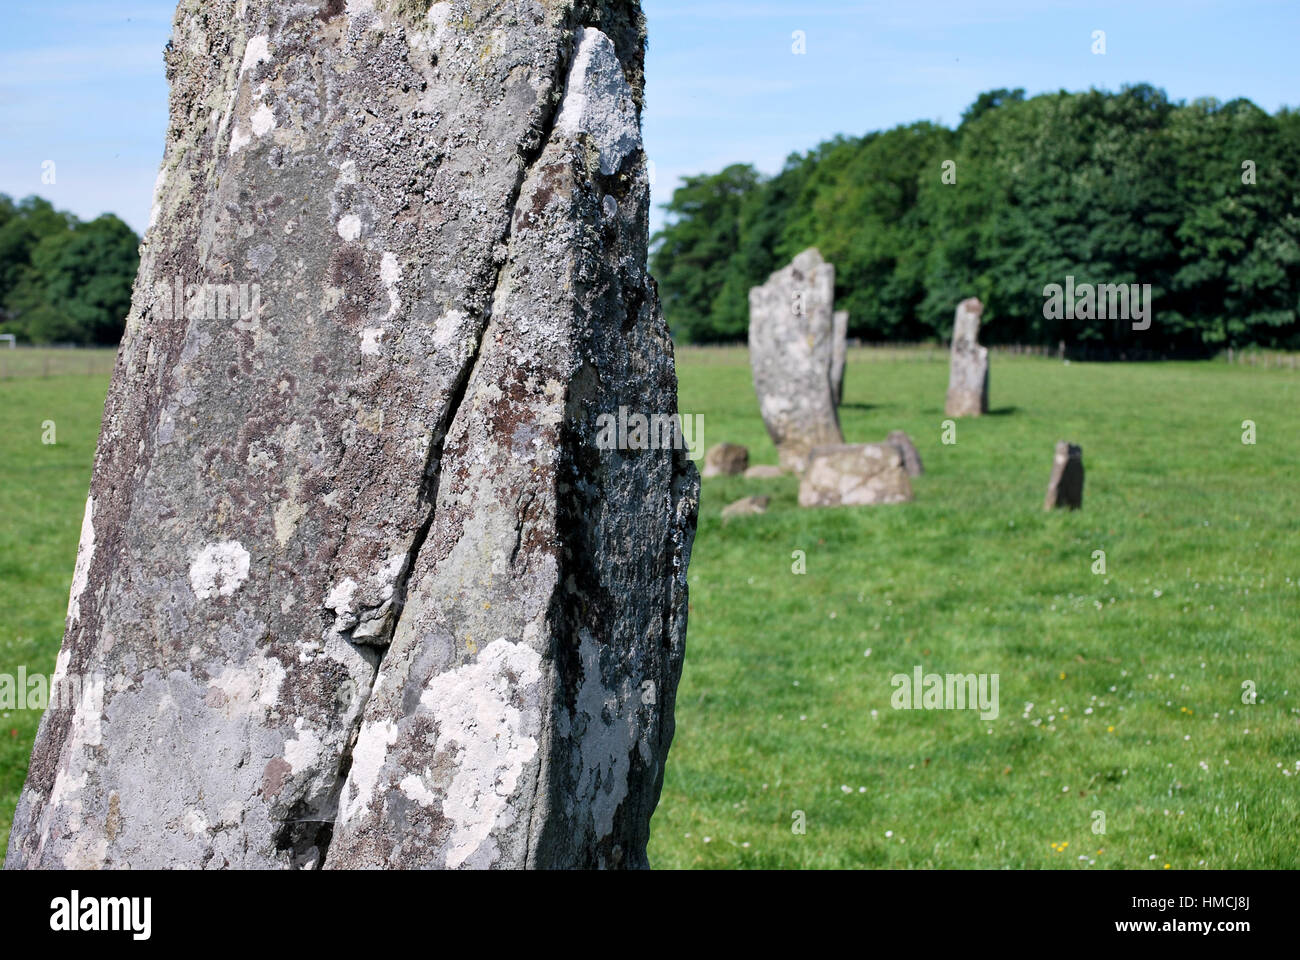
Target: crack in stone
<point>431,476</point>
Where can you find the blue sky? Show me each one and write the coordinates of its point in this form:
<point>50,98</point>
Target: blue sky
<point>82,83</point>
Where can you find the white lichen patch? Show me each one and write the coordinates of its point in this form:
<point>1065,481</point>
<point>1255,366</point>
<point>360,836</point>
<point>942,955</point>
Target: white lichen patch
<point>255,51</point>
<point>250,688</point>
<point>598,101</point>
<point>263,120</point>
<point>349,226</point>
<point>370,337</point>
<point>367,760</point>
<point>390,274</point>
<point>85,553</point>
<point>473,708</point>
<point>416,789</point>
<point>304,751</point>
<point>219,569</point>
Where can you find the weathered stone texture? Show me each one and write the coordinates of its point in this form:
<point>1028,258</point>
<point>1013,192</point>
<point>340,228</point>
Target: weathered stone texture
<point>790,350</point>
<point>907,450</point>
<point>839,354</point>
<point>363,590</point>
<point>968,379</point>
<point>1065,487</point>
<point>726,460</point>
<point>850,474</point>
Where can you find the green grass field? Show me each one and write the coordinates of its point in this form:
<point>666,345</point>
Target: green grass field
<point>1135,676</point>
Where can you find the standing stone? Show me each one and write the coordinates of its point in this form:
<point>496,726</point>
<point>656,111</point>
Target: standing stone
<point>1065,488</point>
<point>790,350</point>
<point>849,474</point>
<point>839,354</point>
<point>726,460</point>
<point>907,450</point>
<point>360,585</point>
<point>968,379</point>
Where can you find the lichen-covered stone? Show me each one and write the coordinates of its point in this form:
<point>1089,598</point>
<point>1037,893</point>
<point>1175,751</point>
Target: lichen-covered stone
<point>839,353</point>
<point>362,586</point>
<point>854,474</point>
<point>790,352</point>
<point>1065,486</point>
<point>968,378</point>
<point>725,460</point>
<point>907,450</point>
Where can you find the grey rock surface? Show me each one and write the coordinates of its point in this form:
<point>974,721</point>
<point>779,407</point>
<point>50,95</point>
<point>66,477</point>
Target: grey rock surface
<point>839,354</point>
<point>790,350</point>
<point>726,460</point>
<point>1065,487</point>
<point>360,585</point>
<point>968,378</point>
<point>764,471</point>
<point>907,450</point>
<point>854,474</point>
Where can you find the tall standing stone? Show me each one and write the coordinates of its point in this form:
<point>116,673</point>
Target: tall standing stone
<point>1065,486</point>
<point>839,354</point>
<point>968,378</point>
<point>362,588</point>
<point>791,335</point>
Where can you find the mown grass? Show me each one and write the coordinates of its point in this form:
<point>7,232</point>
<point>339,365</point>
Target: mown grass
<point>42,497</point>
<point>1135,676</point>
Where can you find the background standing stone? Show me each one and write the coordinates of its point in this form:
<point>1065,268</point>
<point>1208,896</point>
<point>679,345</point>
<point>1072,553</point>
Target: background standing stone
<point>1065,487</point>
<point>790,351</point>
<point>968,380</point>
<point>839,354</point>
<point>361,586</point>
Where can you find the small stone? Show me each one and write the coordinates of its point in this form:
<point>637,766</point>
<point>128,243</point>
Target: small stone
<point>849,474</point>
<point>907,450</point>
<point>726,460</point>
<point>746,507</point>
<point>764,471</point>
<point>1065,488</point>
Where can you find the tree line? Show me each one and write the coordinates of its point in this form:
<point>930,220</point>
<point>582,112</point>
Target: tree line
<point>1197,203</point>
<point>64,280</point>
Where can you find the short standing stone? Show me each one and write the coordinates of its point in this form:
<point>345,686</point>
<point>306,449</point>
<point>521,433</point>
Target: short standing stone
<point>968,379</point>
<point>745,507</point>
<point>907,450</point>
<point>726,460</point>
<point>1065,489</point>
<point>846,474</point>
<point>839,353</point>
<point>790,350</point>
